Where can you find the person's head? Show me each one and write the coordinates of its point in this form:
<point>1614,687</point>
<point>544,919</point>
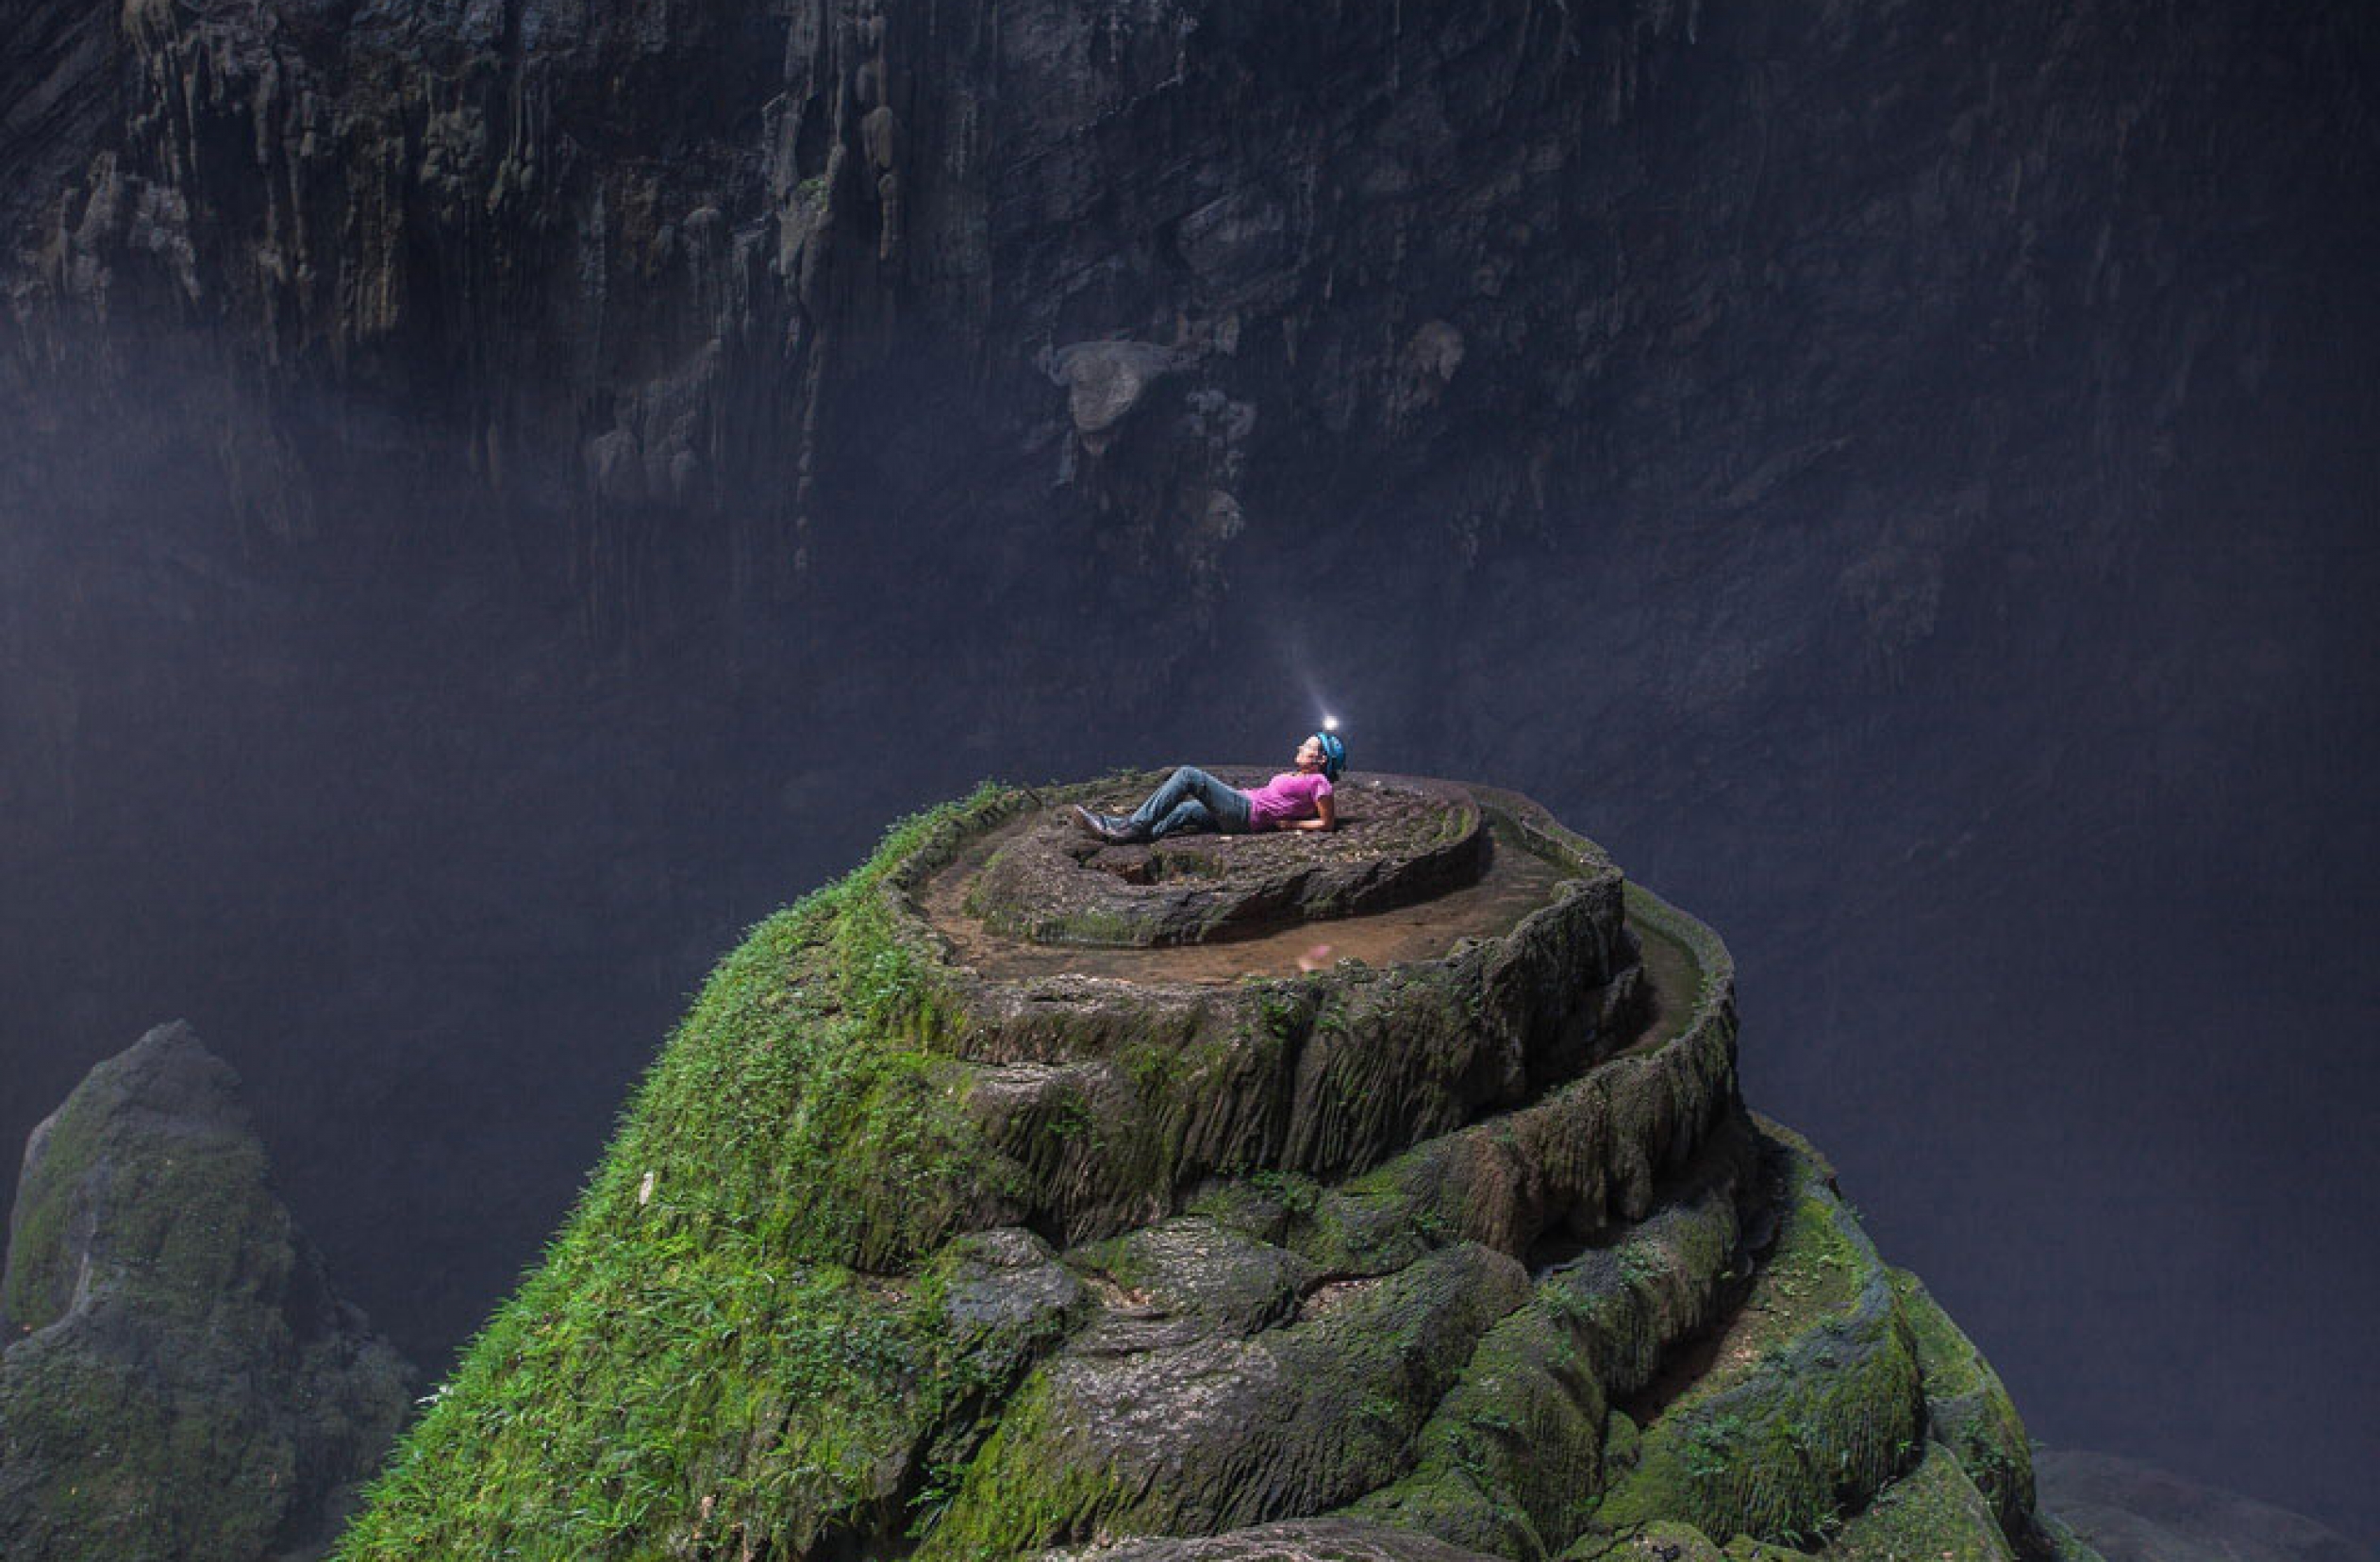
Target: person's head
<point>1322,751</point>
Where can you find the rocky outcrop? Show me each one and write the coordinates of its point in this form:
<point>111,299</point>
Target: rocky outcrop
<point>1641,394</point>
<point>2133,1512</point>
<point>180,1381</point>
<point>904,1250</point>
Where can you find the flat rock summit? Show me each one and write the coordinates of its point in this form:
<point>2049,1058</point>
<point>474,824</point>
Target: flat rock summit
<point>1401,841</point>
<point>1385,1193</point>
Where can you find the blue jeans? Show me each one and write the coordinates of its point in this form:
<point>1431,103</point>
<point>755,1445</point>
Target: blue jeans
<point>1192,800</point>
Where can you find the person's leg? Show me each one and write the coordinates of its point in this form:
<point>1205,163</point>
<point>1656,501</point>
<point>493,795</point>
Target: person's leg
<point>1181,784</point>
<point>1188,814</point>
<point>1219,806</point>
<point>1226,802</point>
<point>1226,805</point>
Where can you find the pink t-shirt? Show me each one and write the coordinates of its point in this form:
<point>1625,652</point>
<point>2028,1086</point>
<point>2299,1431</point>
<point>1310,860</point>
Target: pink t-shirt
<point>1290,796</point>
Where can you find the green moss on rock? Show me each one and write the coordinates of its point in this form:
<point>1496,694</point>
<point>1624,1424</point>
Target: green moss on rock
<point>183,1384</point>
<point>1660,1540</point>
<point>1809,1400</point>
<point>1969,1411</point>
<point>1511,1459</point>
<point>737,1339</point>
<point>1355,1264</point>
<point>1197,1431</point>
<point>2061,1543</point>
<point>1196,1268</point>
<point>1290,1540</point>
<point>1933,1513</point>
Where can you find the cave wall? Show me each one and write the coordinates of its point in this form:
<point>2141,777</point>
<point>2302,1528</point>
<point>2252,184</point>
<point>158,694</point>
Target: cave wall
<point>705,311</point>
<point>508,488</point>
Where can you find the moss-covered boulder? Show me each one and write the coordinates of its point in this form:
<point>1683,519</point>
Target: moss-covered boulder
<point>181,1383</point>
<point>1934,1513</point>
<point>1511,1459</point>
<point>1966,1408</point>
<point>1805,1406</point>
<point>918,1242</point>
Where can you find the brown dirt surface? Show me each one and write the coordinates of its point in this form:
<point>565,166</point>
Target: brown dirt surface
<point>1515,881</point>
<point>1398,842</point>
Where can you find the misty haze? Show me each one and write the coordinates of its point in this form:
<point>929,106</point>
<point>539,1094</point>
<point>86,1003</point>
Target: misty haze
<point>496,501</point>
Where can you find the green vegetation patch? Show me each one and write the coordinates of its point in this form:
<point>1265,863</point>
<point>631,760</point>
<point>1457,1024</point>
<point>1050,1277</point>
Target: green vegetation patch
<point>41,1274</point>
<point>733,1336</point>
<point>1662,1541</point>
<point>1801,1407</point>
<point>1214,1433</point>
<point>1967,1411</point>
<point>181,1229</point>
<point>1511,1460</point>
<point>136,1462</point>
<point>1933,1513</point>
<point>1516,1441</point>
<point>161,1406</point>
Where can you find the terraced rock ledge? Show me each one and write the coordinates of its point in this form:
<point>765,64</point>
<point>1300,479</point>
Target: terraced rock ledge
<point>1379,1194</point>
<point>1398,839</point>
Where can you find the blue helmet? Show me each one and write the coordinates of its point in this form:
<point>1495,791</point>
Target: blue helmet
<point>1334,754</point>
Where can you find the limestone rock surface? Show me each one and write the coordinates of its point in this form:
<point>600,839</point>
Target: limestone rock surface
<point>180,1383</point>
<point>1398,840</point>
<point>1866,351</point>
<point>1463,1247</point>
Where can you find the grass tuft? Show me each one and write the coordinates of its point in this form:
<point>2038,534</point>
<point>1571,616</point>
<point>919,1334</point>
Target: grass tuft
<point>735,1340</point>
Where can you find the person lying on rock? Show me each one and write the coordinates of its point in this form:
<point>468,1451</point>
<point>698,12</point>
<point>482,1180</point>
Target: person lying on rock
<point>1194,799</point>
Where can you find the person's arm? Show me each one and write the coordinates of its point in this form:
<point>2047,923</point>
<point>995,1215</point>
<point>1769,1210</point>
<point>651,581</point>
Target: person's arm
<point>1327,815</point>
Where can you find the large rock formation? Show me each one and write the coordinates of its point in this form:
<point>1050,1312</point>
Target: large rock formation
<point>1429,1232</point>
<point>1659,400</point>
<point>180,1384</point>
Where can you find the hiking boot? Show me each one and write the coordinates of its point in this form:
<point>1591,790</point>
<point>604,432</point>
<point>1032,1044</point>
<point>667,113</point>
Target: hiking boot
<point>1107,827</point>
